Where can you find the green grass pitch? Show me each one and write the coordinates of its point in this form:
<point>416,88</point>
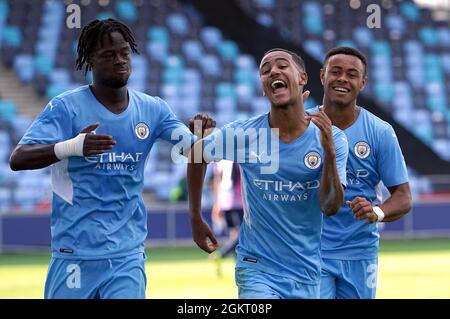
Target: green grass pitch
<point>407,269</point>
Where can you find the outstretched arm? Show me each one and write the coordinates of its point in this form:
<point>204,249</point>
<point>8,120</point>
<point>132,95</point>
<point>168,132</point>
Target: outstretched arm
<point>35,156</point>
<point>331,194</point>
<point>397,205</point>
<point>201,232</point>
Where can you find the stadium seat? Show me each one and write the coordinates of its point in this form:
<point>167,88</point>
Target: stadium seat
<point>402,101</point>
<point>315,48</point>
<point>43,65</point>
<point>174,62</point>
<point>445,62</point>
<point>172,76</point>
<point>178,24</point>
<point>105,16</point>
<point>158,34</point>
<point>226,90</point>
<point>225,104</point>
<point>410,11</point>
<point>312,8</point>
<point>403,117</point>
<point>346,43</point>
<point>211,65</point>
<point>8,110</point>
<point>2,22</point>
<point>157,50</point>
<point>4,9</point>
<point>260,105</point>
<point>60,76</point>
<point>421,117</point>
<point>23,65</point>
<point>190,90</point>
<point>12,36</point>
<point>191,75</point>
<point>442,146</point>
<point>189,105</point>
<point>139,75</point>
<point>437,103</point>
<point>192,49</point>
<point>246,62</point>
<point>381,48</point>
<point>443,35</point>
<point>127,10</point>
<point>383,92</point>
<point>242,76</point>
<point>265,20</point>
<point>266,4</point>
<point>362,36</point>
<point>425,133</point>
<point>244,92</point>
<point>395,23</point>
<point>211,37</point>
<point>169,90</point>
<point>228,50</point>
<point>313,25</point>
<point>429,36</point>
<point>226,113</point>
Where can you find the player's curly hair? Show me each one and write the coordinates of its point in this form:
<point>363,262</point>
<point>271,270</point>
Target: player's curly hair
<point>93,33</point>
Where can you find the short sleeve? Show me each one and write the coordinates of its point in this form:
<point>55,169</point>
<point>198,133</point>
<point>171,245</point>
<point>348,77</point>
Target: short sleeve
<point>222,144</point>
<point>390,161</point>
<point>171,129</point>
<point>53,125</point>
<point>341,148</point>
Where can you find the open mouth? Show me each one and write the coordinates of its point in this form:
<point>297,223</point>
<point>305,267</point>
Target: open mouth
<point>340,89</point>
<point>278,85</point>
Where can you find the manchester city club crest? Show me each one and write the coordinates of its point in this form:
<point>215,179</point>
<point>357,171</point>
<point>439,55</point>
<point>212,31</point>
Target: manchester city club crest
<point>362,149</point>
<point>312,160</point>
<point>142,131</point>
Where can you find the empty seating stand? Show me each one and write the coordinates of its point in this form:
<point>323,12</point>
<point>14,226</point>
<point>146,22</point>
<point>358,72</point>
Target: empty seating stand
<point>410,51</point>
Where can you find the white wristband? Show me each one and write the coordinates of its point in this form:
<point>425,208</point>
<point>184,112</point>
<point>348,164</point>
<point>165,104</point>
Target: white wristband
<point>379,212</point>
<point>69,148</point>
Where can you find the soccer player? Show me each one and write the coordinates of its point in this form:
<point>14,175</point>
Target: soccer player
<point>278,255</point>
<point>227,207</point>
<point>97,138</point>
<point>228,201</point>
<point>350,238</point>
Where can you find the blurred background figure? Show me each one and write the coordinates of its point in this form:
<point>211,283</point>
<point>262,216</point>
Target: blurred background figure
<point>227,210</point>
<point>197,61</point>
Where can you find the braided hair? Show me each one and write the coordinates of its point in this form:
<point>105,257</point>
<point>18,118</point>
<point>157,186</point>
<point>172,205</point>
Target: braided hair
<point>92,33</point>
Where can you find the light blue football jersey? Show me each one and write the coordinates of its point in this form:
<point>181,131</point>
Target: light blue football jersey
<point>98,211</point>
<point>374,156</point>
<point>282,223</point>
